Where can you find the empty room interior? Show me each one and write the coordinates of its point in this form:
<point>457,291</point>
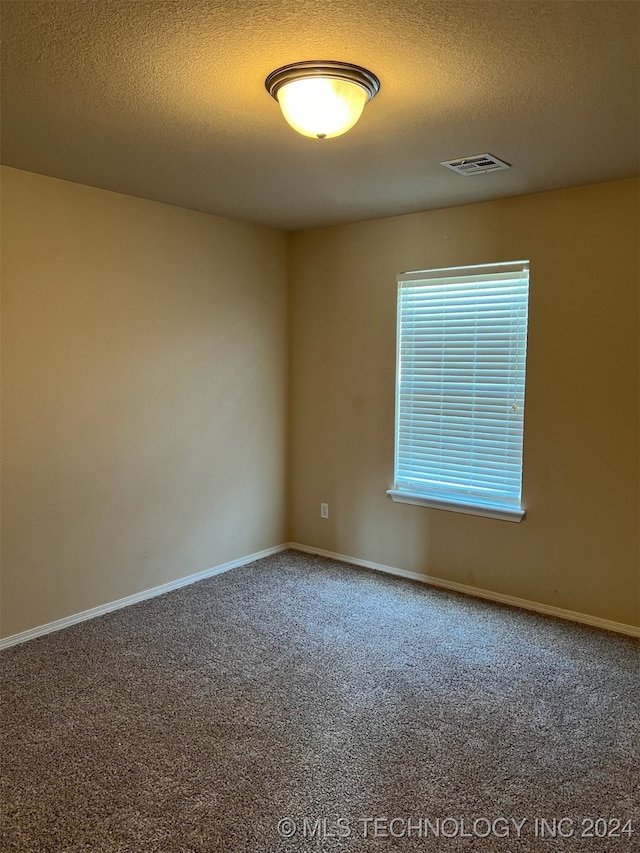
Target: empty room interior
<point>320,426</point>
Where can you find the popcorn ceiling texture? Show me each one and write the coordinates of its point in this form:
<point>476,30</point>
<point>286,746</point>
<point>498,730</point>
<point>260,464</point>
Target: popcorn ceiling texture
<point>299,687</point>
<point>166,100</point>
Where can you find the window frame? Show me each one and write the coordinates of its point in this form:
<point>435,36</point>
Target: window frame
<point>441,496</point>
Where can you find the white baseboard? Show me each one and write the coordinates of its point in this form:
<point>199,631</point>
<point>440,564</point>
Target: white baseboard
<point>50,627</point>
<point>547,610</point>
<point>476,592</point>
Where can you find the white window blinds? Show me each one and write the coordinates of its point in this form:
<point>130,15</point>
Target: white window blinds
<point>460,384</point>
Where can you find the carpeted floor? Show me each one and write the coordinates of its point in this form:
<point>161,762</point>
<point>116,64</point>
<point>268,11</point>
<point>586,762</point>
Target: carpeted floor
<point>302,697</point>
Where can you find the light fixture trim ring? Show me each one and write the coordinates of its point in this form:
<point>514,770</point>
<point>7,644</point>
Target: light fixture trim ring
<point>322,68</point>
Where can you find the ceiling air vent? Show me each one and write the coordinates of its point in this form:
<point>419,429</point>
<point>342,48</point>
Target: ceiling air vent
<point>476,165</point>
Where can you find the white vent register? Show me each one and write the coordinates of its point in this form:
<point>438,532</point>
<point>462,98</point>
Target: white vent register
<point>479,164</point>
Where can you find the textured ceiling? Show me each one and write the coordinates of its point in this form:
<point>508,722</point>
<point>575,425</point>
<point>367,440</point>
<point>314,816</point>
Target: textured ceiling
<point>166,100</point>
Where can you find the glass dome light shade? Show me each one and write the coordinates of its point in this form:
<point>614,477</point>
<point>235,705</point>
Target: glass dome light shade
<point>322,107</point>
<point>322,99</point>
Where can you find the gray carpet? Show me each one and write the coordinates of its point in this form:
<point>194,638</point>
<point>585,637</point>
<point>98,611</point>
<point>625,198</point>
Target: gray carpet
<point>301,688</point>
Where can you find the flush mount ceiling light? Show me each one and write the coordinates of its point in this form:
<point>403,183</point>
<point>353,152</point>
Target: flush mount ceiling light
<point>322,99</point>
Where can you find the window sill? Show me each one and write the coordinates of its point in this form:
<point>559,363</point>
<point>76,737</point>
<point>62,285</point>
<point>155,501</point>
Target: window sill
<point>403,497</point>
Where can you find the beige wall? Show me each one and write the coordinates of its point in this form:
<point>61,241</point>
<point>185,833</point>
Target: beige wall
<point>147,430</point>
<point>578,548</point>
<point>144,390</point>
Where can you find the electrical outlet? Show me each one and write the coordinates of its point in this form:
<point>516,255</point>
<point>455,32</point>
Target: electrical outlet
<point>324,510</point>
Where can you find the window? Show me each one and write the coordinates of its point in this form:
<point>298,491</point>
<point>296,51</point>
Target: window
<point>462,340</point>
